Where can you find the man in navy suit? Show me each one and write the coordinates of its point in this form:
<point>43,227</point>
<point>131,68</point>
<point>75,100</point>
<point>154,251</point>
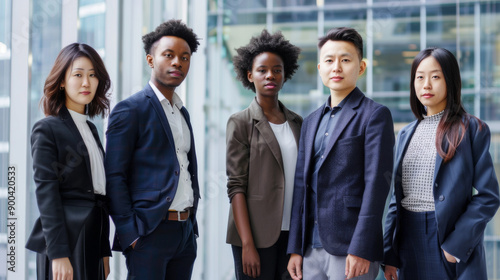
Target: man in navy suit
<point>343,172</point>
<point>151,167</point>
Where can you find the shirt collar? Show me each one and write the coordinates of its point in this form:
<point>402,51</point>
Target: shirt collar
<point>77,117</point>
<point>328,108</point>
<point>175,98</point>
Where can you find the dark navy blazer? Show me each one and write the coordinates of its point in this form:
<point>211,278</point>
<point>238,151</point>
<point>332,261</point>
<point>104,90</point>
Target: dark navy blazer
<point>64,189</point>
<point>466,197</point>
<point>142,170</point>
<point>353,180</point>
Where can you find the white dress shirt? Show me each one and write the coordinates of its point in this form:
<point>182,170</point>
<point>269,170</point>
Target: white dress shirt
<point>184,196</point>
<point>95,154</point>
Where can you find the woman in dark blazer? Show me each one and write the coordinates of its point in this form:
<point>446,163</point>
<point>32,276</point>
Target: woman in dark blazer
<point>71,235</point>
<point>262,143</point>
<point>445,187</point>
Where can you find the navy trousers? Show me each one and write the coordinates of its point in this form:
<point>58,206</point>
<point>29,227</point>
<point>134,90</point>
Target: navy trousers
<point>420,254</point>
<point>273,261</point>
<point>167,253</point>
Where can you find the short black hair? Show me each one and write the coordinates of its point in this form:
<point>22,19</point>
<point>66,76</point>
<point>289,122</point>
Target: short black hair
<point>343,34</point>
<point>173,27</point>
<point>265,42</point>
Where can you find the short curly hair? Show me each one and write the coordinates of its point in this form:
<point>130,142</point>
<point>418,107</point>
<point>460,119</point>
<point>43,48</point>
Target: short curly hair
<point>265,42</point>
<point>173,27</point>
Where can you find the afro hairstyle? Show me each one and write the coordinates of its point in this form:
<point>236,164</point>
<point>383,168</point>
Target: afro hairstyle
<point>265,42</point>
<point>172,27</point>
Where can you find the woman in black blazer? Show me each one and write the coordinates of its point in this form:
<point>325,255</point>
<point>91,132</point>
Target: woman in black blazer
<point>71,235</point>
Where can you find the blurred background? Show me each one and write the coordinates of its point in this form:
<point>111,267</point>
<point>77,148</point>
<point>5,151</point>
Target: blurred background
<point>32,32</point>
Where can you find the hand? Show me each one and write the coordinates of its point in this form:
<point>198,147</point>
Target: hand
<point>62,269</point>
<point>391,272</point>
<point>251,261</point>
<point>449,257</point>
<point>356,266</point>
<point>105,262</point>
<point>295,266</point>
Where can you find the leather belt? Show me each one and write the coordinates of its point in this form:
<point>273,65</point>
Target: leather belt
<point>180,216</point>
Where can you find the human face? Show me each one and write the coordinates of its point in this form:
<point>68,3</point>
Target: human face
<point>80,84</point>
<point>267,74</point>
<point>170,60</point>
<point>430,85</point>
<point>340,67</point>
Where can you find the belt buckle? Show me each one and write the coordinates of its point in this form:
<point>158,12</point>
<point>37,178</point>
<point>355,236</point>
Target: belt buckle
<point>179,216</point>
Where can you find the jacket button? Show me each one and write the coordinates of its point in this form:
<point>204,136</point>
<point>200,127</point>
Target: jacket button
<point>436,185</point>
<point>169,199</point>
<point>441,197</point>
<point>176,172</point>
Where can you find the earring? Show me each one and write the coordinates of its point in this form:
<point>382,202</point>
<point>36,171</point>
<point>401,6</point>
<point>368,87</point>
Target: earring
<point>61,88</point>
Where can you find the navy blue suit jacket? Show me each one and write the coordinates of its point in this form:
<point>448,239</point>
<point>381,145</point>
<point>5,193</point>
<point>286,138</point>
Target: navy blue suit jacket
<point>142,170</point>
<point>353,180</point>
<point>461,214</point>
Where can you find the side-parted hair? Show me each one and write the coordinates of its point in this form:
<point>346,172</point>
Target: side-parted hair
<point>54,97</point>
<point>265,42</point>
<point>455,120</point>
<point>174,28</point>
<point>346,34</point>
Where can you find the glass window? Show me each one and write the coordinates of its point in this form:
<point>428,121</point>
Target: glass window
<point>300,93</point>
<point>45,44</point>
<point>490,61</point>
<point>396,41</point>
<point>294,3</point>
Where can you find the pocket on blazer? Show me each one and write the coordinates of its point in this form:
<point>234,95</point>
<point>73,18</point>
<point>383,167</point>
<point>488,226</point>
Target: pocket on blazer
<point>352,201</point>
<point>144,198</point>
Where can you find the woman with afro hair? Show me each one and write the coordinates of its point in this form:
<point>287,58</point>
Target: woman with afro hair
<point>262,143</point>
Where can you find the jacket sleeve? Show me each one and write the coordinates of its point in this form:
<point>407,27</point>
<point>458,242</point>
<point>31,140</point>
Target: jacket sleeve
<point>470,226</point>
<point>390,256</point>
<point>367,239</point>
<point>295,245</point>
<point>47,172</point>
<point>237,157</point>
<point>121,138</point>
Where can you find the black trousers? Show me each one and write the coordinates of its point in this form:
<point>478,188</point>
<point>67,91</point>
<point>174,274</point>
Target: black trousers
<point>92,245</point>
<point>273,261</point>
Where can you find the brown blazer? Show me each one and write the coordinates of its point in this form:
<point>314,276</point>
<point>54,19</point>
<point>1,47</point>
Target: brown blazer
<point>254,167</point>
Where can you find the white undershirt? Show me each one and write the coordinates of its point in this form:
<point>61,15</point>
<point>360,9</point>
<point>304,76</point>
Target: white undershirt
<point>288,147</point>
<point>95,153</point>
<point>184,196</point>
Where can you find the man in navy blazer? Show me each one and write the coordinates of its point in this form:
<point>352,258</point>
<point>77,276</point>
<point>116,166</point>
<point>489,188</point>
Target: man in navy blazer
<point>151,167</point>
<point>343,172</point>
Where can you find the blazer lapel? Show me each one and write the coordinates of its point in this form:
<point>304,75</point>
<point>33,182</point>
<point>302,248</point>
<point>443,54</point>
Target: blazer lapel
<point>348,112</point>
<point>314,120</point>
<point>160,113</point>
<point>266,131</point>
<point>81,148</point>
<point>96,136</point>
<point>404,140</point>
<point>439,159</point>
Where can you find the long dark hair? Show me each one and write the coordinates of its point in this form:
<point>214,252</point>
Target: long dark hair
<point>455,120</point>
<point>54,98</point>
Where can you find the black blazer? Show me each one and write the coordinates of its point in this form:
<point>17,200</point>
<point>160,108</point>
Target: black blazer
<point>64,189</point>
